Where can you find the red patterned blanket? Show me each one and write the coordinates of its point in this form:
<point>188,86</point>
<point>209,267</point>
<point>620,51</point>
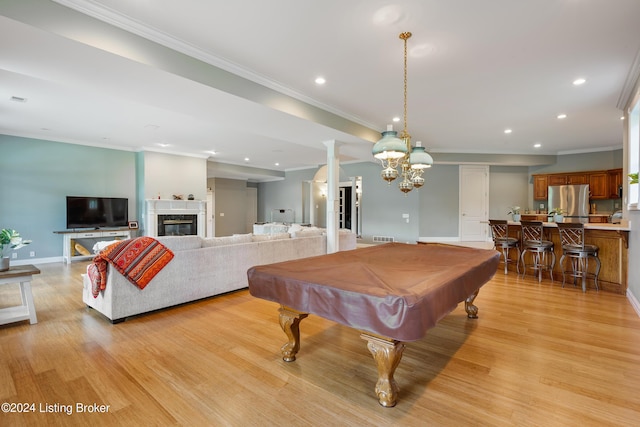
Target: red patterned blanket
<point>139,260</point>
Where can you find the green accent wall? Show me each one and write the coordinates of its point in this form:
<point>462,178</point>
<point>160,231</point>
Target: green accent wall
<point>36,176</point>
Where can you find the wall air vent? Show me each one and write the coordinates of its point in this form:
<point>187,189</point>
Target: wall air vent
<point>18,99</point>
<point>383,239</point>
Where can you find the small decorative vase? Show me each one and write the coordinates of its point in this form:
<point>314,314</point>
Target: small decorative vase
<point>4,263</point>
<point>516,217</point>
<point>558,218</point>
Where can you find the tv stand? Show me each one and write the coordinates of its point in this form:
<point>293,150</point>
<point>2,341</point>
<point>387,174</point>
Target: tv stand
<point>89,238</point>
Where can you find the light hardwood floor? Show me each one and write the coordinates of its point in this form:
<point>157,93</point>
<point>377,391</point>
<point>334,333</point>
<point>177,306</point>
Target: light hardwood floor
<point>538,355</point>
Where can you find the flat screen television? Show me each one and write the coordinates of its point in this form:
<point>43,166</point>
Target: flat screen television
<point>97,212</point>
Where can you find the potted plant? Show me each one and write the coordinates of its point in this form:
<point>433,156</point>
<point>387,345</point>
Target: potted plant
<point>558,214</point>
<point>9,240</point>
<point>515,212</point>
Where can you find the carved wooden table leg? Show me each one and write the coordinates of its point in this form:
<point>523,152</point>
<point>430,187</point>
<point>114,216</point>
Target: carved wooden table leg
<point>387,354</point>
<point>472,310</point>
<point>290,324</point>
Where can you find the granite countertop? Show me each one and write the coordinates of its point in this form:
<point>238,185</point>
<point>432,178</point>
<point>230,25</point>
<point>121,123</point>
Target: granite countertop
<point>624,226</point>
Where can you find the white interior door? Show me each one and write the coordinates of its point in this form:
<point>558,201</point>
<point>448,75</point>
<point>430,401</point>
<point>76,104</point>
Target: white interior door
<point>474,203</point>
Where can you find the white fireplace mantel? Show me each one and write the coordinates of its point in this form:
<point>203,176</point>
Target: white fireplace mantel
<point>155,207</point>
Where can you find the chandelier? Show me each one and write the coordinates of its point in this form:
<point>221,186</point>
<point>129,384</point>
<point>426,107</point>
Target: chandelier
<point>396,152</point>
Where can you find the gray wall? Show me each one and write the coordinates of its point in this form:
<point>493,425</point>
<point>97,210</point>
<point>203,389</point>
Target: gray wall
<point>383,205</point>
<point>433,209</point>
<point>36,176</point>
<point>438,200</point>
<point>507,188</point>
<point>579,162</point>
<point>283,194</point>
<point>230,206</point>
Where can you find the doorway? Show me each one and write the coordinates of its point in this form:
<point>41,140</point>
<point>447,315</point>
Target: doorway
<point>474,203</point>
<point>314,195</point>
<point>344,209</point>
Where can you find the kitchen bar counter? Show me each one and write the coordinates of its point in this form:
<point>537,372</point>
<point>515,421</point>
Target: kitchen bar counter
<point>593,218</point>
<point>613,241</point>
<point>588,226</point>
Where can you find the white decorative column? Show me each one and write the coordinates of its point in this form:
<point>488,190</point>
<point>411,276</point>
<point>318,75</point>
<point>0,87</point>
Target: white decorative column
<point>333,171</point>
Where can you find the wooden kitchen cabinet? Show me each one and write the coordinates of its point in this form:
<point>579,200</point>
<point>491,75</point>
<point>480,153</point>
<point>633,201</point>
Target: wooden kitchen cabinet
<point>557,179</point>
<point>598,185</point>
<point>577,178</point>
<point>602,184</point>
<point>540,184</point>
<point>614,179</point>
<point>534,217</point>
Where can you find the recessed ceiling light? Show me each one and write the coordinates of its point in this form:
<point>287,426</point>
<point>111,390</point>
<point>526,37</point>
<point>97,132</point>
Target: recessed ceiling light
<point>152,127</point>
<point>320,80</point>
<point>246,159</point>
<point>537,145</point>
<point>562,116</point>
<point>622,118</point>
<point>578,82</point>
<point>212,152</point>
<point>396,119</point>
<point>277,164</point>
<point>508,131</point>
<point>161,144</point>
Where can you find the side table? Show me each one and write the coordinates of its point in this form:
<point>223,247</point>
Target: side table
<point>27,310</point>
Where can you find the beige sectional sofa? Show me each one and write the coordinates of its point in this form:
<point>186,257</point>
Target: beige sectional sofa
<point>203,268</point>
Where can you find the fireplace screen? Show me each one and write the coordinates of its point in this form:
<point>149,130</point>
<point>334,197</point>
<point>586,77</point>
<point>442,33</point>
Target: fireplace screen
<point>177,225</point>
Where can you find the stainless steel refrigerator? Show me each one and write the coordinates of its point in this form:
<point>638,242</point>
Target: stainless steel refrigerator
<point>572,199</point>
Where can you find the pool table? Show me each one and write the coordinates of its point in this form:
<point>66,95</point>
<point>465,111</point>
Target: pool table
<point>391,293</point>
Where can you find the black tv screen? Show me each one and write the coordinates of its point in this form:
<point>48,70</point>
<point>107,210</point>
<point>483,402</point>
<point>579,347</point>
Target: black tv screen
<point>97,212</point>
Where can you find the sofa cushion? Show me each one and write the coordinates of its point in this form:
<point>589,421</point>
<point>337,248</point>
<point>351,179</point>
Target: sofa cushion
<point>226,240</point>
<point>293,229</point>
<point>274,236</point>
<point>181,243</point>
<point>309,232</point>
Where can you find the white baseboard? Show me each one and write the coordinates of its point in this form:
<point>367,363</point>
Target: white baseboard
<point>35,261</point>
<point>488,244</point>
<point>438,239</point>
<point>634,301</point>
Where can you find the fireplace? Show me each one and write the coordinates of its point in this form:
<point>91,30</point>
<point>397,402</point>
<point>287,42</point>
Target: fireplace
<point>174,218</point>
<point>177,225</point>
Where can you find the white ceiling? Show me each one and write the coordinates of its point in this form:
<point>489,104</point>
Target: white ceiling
<point>475,68</point>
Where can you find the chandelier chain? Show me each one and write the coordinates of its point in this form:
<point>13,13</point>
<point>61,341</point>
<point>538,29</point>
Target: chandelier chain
<point>405,37</point>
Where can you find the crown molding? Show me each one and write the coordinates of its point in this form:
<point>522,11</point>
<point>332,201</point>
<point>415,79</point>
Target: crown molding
<point>111,17</point>
<point>630,83</point>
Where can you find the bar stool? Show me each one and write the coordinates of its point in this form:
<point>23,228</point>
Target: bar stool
<point>502,242</point>
<point>533,241</point>
<point>579,253</point>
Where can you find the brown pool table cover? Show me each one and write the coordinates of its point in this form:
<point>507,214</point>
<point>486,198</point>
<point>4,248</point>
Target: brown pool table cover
<point>395,290</point>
